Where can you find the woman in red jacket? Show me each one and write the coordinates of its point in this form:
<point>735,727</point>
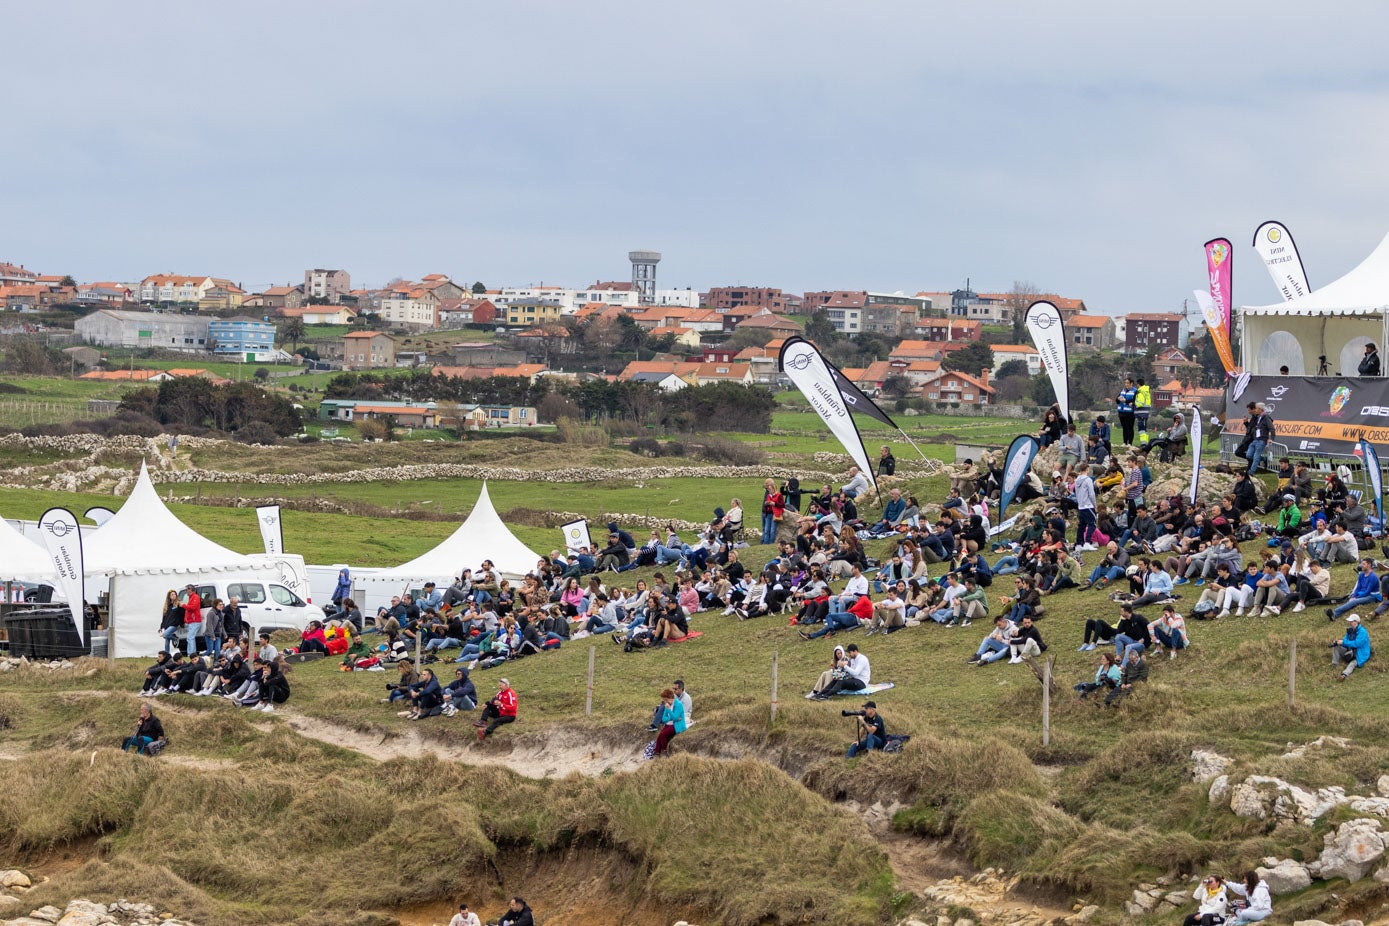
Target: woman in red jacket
<point>192,619</point>
<point>500,710</point>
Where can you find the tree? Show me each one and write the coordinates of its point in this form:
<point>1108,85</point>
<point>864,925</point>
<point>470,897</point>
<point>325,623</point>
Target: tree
<point>261,374</point>
<point>67,281</point>
<point>971,359</point>
<point>820,329</point>
<point>1012,388</point>
<point>479,289</point>
<point>1043,394</point>
<point>554,407</point>
<point>293,331</point>
<point>1022,295</point>
<point>1012,368</point>
<point>26,355</point>
<point>897,385</point>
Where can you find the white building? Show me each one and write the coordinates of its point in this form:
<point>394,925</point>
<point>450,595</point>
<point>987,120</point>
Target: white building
<point>417,309</point>
<point>167,330</point>
<point>327,284</point>
<point>679,298</point>
<point>1005,352</point>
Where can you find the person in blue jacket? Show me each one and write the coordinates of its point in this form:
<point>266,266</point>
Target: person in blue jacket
<point>672,720</point>
<point>1353,649</point>
<point>1125,407</point>
<point>1366,591</point>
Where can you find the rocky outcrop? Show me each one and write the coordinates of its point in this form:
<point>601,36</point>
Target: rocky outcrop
<point>1285,876</point>
<point>1208,766</point>
<point>1270,798</point>
<point>90,913</point>
<point>1350,850</point>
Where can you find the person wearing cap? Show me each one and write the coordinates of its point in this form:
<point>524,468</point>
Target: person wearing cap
<point>1289,517</point>
<point>500,710</point>
<point>1353,649</point>
<point>1366,591</point>
<point>1369,364</point>
<point>872,732</point>
<point>614,556</point>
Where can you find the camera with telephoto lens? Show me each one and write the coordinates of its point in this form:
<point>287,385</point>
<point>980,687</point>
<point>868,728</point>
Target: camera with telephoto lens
<point>853,713</point>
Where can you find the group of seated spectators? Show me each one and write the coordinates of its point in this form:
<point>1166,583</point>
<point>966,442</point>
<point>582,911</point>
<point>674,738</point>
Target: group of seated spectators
<point>259,684</point>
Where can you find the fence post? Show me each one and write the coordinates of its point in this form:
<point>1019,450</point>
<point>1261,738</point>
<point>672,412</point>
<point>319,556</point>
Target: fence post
<point>588,702</point>
<point>774,685</point>
<point>1292,672</point>
<point>1046,701</point>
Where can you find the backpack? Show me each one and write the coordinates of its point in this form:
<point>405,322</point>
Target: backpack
<point>895,742</point>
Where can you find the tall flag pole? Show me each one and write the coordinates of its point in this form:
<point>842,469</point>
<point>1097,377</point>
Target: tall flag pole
<point>1275,245</point>
<point>1049,335</point>
<point>811,373</point>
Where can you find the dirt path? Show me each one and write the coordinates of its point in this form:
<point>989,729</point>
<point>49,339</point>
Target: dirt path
<point>554,755</point>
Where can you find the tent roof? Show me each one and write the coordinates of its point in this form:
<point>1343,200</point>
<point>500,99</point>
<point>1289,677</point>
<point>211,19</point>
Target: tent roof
<point>145,534</point>
<point>482,536</point>
<point>1362,291</point>
<point>20,557</point>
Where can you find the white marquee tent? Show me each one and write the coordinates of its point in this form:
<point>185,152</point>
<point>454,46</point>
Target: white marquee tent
<point>1337,321</point>
<point>481,536</point>
<point>20,557</point>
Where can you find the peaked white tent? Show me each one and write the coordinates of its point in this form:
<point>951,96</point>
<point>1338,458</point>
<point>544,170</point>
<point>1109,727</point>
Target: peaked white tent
<point>1336,320</point>
<point>20,557</point>
<point>482,536</point>
<point>145,534</point>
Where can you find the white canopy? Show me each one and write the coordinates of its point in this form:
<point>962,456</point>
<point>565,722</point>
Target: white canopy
<point>1335,321</point>
<point>482,536</point>
<point>20,557</point>
<point>145,534</point>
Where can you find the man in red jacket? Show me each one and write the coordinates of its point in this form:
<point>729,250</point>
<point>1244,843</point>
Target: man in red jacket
<point>193,619</point>
<point>500,710</point>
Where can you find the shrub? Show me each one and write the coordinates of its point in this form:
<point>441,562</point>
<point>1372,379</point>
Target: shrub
<point>672,448</point>
<point>375,429</point>
<point>257,432</point>
<point>645,446</point>
<point>732,452</point>
<point>572,432</point>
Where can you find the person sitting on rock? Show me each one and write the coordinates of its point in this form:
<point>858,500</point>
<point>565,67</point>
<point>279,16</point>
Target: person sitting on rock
<point>1213,902</point>
<point>1255,891</point>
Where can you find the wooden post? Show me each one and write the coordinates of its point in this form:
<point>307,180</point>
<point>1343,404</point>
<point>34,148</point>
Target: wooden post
<point>419,635</point>
<point>1046,701</point>
<point>1292,672</point>
<point>588,701</point>
<point>111,625</point>
<point>774,685</point>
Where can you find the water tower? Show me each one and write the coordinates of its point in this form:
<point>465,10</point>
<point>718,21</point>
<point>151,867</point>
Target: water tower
<point>644,274</point>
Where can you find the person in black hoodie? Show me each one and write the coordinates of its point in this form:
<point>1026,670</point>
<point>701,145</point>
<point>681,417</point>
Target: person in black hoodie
<point>1132,634</point>
<point>155,673</point>
<point>517,914</point>
<point>974,537</point>
<point>460,695</point>
<point>614,555</point>
<point>427,697</point>
<point>148,731</point>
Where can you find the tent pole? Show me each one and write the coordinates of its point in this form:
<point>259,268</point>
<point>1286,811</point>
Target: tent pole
<point>913,443</point>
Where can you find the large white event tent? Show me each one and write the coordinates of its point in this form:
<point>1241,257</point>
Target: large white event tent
<point>146,550</point>
<point>481,536</point>
<point>1336,320</point>
<point>20,557</point>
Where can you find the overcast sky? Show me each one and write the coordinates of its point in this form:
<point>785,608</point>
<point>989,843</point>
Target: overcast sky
<point>1088,148</point>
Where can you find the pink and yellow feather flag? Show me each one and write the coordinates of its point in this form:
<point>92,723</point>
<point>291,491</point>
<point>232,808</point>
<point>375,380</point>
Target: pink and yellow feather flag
<point>1220,268</point>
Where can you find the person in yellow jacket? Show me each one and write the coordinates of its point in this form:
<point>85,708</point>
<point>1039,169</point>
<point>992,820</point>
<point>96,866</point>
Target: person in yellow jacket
<point>1142,406</point>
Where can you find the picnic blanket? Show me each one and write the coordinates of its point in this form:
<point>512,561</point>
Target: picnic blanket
<point>689,636</point>
<point>862,692</point>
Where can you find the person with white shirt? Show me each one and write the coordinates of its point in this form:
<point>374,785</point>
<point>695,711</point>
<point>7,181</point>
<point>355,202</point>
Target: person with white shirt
<point>889,614</point>
<point>857,674</point>
<point>1255,890</point>
<point>954,588</point>
<point>1085,507</point>
<point>465,917</point>
<point>857,484</point>
<point>856,587</point>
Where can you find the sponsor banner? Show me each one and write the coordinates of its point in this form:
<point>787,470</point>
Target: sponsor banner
<point>1194,439</point>
<point>1322,414</point>
<point>271,530</point>
<point>810,372</point>
<point>1370,457</point>
<point>1220,268</point>
<point>1275,245</point>
<point>855,398</point>
<point>1005,526</point>
<point>576,536</point>
<point>1049,335</point>
<point>1220,335</point>
<point>1015,466</point>
<point>64,542</point>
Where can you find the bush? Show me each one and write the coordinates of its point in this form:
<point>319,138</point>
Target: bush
<point>672,448</point>
<point>257,432</point>
<point>375,429</point>
<point>571,432</point>
<point>645,446</point>
<point>731,452</point>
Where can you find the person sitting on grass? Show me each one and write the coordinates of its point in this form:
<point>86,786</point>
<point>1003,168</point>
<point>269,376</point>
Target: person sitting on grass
<point>995,645</point>
<point>1366,591</point>
<point>1025,599</point>
<point>1313,585</point>
<point>671,624</point>
<point>969,605</point>
<point>460,695</point>
<point>399,690</point>
<point>892,513</point>
<point>1353,649</point>
<point>1157,584</point>
<point>1169,631</point>
<point>271,688</point>
<point>500,710</point>
<point>1132,633</point>
<point>890,614</point>
<point>1026,642</point>
<point>1110,568</point>
<point>1135,670</point>
<point>517,914</point>
<point>426,697</point>
<point>856,676</point>
<point>1061,574</point>
<point>673,721</point>
<point>148,737</point>
<point>154,675</point>
<point>859,612</point>
<point>872,732</point>
<point>1107,677</point>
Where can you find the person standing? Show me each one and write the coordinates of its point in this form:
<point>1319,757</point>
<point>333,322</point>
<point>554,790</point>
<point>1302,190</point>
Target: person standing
<point>773,510</point>
<point>1085,507</point>
<point>1260,433</point>
<point>1142,405</point>
<point>1124,406</point>
<point>887,463</point>
<point>192,619</point>
<point>1369,364</point>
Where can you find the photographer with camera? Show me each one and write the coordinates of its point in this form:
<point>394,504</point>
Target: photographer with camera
<point>872,732</point>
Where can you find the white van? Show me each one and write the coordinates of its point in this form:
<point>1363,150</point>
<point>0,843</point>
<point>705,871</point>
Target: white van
<point>264,605</point>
